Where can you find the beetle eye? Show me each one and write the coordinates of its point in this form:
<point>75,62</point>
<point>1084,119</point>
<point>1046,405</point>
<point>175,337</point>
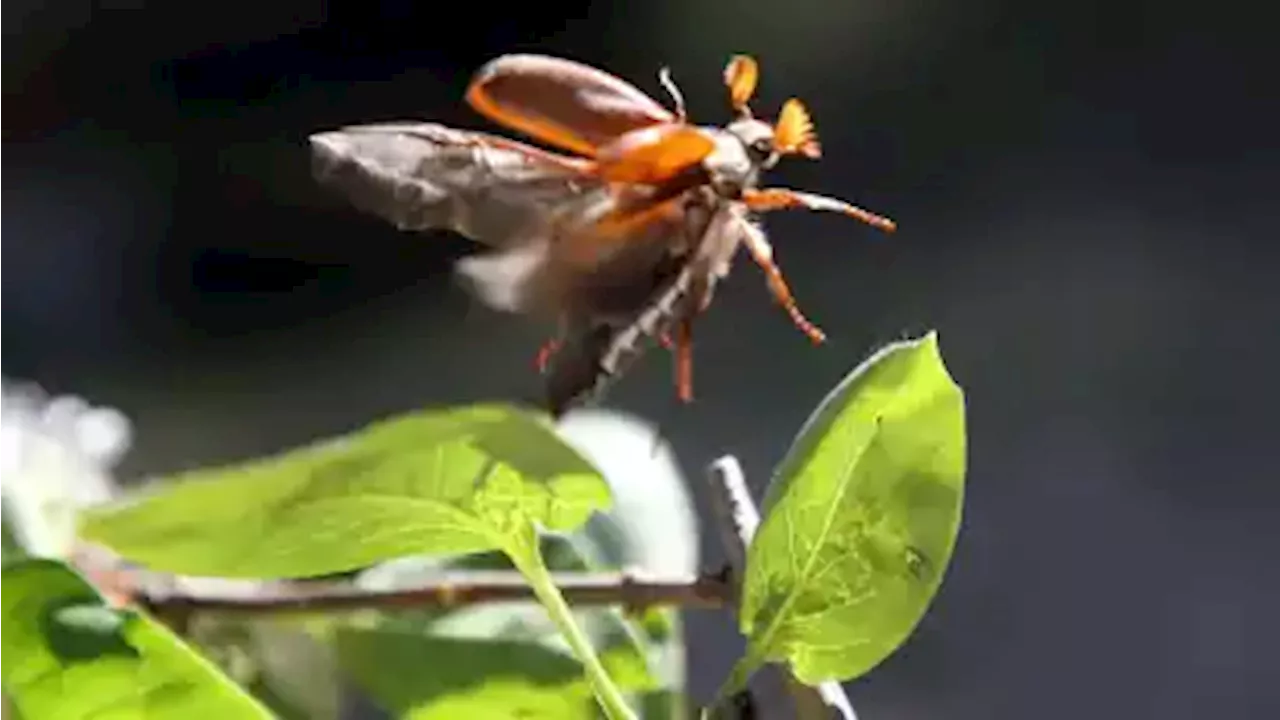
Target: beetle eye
<point>762,147</point>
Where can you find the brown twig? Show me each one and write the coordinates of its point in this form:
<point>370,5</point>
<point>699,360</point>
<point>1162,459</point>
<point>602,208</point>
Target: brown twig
<point>169,596</point>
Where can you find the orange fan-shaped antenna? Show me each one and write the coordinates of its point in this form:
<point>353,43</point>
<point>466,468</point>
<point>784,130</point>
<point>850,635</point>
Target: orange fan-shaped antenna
<point>794,131</point>
<point>741,75</point>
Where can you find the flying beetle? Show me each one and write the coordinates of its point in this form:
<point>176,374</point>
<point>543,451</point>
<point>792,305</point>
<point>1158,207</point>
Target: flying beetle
<point>618,233</point>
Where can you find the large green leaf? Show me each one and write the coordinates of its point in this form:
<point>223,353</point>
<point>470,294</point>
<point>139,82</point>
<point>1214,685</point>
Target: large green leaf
<point>72,656</point>
<point>860,521</point>
<point>445,482</point>
<point>431,482</point>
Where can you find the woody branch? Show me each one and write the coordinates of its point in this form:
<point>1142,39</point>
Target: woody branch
<point>168,595</point>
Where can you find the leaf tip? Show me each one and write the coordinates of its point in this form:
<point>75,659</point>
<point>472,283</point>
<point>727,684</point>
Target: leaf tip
<point>931,351</point>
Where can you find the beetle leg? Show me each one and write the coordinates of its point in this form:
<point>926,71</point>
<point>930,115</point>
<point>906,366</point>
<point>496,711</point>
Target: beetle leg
<point>684,359</point>
<point>762,253</point>
<point>546,352</point>
<point>767,199</point>
<point>695,301</point>
<point>551,347</point>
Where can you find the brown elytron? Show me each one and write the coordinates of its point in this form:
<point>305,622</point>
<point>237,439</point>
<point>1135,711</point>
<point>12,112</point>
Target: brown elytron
<point>619,235</point>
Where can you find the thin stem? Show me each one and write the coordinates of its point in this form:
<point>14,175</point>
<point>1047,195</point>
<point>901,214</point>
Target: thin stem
<point>528,560</point>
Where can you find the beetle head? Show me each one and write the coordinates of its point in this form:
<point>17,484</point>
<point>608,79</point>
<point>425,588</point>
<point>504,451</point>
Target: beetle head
<point>792,134</point>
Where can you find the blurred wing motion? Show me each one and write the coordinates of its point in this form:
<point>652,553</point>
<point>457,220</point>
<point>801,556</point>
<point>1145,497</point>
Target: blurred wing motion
<point>542,215</point>
<point>544,219</point>
<point>568,230</point>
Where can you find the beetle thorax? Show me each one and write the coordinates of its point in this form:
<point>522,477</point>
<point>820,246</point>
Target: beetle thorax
<point>743,149</point>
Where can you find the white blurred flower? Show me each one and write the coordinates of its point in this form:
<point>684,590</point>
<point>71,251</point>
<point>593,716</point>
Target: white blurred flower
<point>652,506</point>
<point>57,454</point>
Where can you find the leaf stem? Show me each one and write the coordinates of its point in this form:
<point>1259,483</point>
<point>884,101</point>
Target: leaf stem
<point>528,560</point>
<point>742,671</point>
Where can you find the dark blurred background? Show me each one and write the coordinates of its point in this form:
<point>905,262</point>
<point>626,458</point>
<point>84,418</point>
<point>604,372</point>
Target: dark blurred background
<point>1086,195</point>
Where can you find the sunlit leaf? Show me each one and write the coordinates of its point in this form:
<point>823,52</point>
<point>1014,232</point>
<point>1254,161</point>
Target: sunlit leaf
<point>652,524</point>
<point>860,521</point>
<point>72,656</point>
<point>479,478</point>
<point>440,482</point>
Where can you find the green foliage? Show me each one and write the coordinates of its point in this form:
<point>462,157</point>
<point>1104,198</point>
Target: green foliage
<point>443,482</point>
<point>73,656</point>
<point>858,529</point>
<point>439,482</point>
<point>860,521</point>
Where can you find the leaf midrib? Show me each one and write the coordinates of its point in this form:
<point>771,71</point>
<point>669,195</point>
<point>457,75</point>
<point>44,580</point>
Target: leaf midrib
<point>766,639</point>
<point>466,520</point>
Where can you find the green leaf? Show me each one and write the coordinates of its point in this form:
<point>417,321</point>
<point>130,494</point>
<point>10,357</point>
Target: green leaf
<point>422,677</point>
<point>73,656</point>
<point>442,482</point>
<point>860,521</point>
<point>644,659</point>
